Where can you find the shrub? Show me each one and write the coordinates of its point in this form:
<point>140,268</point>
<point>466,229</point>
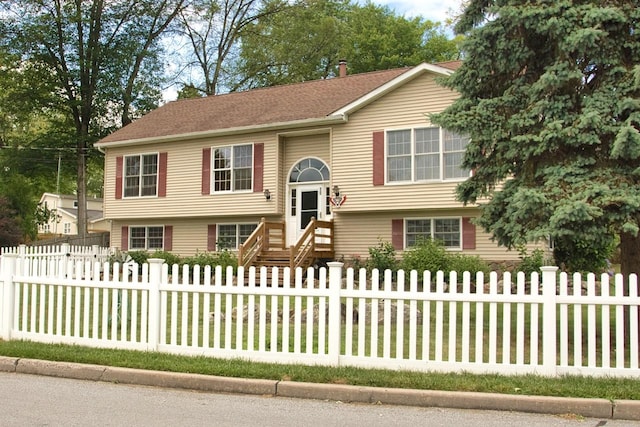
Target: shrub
<point>168,257</point>
<point>427,254</point>
<point>223,258</point>
<point>202,259</point>
<point>139,257</point>
<point>530,262</point>
<point>472,264</point>
<point>354,262</point>
<point>227,258</point>
<point>382,257</point>
<point>587,255</point>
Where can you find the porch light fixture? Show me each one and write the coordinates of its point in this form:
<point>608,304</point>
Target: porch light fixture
<point>267,195</point>
<point>336,191</point>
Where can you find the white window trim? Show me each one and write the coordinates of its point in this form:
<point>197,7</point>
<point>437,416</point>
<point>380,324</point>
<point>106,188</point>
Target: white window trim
<point>237,226</point>
<point>413,180</point>
<point>213,169</point>
<point>146,237</point>
<point>432,219</point>
<point>124,176</point>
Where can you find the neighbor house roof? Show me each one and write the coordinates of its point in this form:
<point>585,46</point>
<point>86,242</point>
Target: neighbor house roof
<point>93,215</point>
<point>287,104</point>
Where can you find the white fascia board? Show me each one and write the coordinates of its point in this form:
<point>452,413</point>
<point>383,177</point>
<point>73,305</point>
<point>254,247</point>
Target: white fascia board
<point>334,118</point>
<point>391,85</point>
<point>67,213</point>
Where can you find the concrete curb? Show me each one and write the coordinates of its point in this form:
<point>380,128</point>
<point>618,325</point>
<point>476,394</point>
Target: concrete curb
<point>189,381</point>
<point>76,371</point>
<point>593,408</point>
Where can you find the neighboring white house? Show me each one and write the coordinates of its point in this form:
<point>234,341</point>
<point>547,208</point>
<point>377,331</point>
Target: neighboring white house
<point>65,218</point>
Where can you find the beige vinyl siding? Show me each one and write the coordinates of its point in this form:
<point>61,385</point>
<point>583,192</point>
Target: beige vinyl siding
<point>184,175</point>
<point>189,235</point>
<point>356,233</point>
<point>297,148</point>
<point>406,107</point>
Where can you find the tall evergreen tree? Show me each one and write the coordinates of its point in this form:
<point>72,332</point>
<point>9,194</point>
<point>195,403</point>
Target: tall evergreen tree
<point>550,96</point>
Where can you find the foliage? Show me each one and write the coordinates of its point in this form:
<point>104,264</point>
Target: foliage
<point>382,257</point>
<point>471,263</point>
<point>168,257</point>
<point>91,62</point>
<point>213,30</point>
<point>549,95</point>
<point>431,255</point>
<point>530,262</point>
<point>223,258</point>
<point>584,254</point>
<point>139,257</point>
<point>426,255</point>
<point>355,262</point>
<point>307,40</point>
<point>9,228</point>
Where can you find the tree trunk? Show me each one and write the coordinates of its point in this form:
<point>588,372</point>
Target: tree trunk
<point>629,264</point>
<point>82,188</point>
<point>629,254</point>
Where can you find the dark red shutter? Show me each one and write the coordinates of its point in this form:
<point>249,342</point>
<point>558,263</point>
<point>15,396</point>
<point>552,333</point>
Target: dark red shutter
<point>378,158</point>
<point>168,238</point>
<point>468,234</point>
<point>258,168</point>
<point>124,238</point>
<point>206,171</point>
<point>211,237</point>
<point>397,234</point>
<point>119,161</point>
<point>162,175</point>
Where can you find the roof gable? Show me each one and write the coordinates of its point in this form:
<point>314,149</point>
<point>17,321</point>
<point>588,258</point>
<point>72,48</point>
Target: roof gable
<point>287,104</point>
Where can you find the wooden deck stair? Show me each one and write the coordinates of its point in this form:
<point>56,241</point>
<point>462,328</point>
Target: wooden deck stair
<point>267,246</point>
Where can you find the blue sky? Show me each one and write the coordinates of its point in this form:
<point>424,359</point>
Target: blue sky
<point>435,10</point>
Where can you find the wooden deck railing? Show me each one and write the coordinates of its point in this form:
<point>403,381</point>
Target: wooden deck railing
<point>316,242</point>
<point>267,235</point>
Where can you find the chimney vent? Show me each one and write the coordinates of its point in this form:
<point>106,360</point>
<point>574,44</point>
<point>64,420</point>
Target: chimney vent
<point>343,67</point>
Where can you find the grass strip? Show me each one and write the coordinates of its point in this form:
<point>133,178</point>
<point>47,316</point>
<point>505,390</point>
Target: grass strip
<point>566,386</point>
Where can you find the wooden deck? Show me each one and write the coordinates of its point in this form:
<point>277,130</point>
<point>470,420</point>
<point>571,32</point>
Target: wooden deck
<point>267,246</point>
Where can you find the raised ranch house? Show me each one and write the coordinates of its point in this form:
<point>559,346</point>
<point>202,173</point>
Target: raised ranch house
<point>353,160</point>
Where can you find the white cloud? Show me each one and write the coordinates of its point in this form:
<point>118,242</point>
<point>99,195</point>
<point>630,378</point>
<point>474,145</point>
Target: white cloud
<point>434,10</point>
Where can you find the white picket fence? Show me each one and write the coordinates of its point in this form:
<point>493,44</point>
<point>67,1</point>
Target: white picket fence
<point>63,252</point>
<point>549,323</point>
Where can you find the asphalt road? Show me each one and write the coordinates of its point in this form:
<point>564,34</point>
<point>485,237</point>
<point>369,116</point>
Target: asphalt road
<point>32,400</point>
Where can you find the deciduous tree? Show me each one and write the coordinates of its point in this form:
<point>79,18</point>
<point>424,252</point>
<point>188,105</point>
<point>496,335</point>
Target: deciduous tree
<point>307,40</point>
<point>101,60</point>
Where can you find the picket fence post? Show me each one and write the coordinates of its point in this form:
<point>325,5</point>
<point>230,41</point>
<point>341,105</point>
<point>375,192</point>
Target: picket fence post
<point>549,326</point>
<point>335,310</point>
<point>155,274</point>
<point>7,294</point>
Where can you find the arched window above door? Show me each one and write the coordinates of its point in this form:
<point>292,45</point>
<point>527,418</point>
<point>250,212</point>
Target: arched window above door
<point>309,170</point>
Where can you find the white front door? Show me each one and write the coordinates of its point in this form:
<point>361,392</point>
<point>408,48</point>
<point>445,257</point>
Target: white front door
<point>306,201</point>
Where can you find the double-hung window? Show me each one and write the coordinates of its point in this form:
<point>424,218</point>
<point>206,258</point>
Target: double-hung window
<point>145,238</point>
<point>141,175</point>
<point>233,168</point>
<point>231,236</point>
<point>447,230</point>
<point>424,154</point>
